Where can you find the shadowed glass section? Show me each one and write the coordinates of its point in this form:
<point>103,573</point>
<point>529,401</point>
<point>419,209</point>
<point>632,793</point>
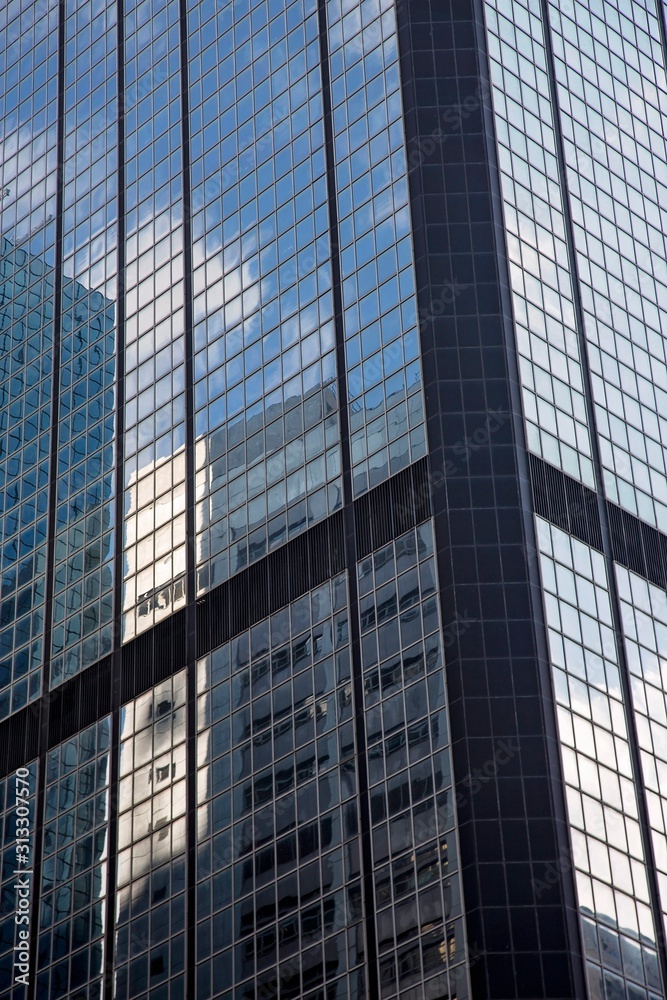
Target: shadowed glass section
<point>28,158</point>
<point>607,853</point>
<point>375,242</point>
<point>420,933</point>
<point>150,898</point>
<point>279,896</point>
<point>267,452</point>
<point>534,206</point>
<point>70,959</point>
<point>16,855</point>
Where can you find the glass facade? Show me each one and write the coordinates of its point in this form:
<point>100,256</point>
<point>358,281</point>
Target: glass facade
<point>383,370</point>
<point>644,622</point>
<point>578,98</point>
<point>279,895</point>
<point>333,499</point>
<point>605,104</point>
<point>268,461</point>
<point>26,321</point>
<point>84,527</point>
<point>607,851</point>
<point>613,119</point>
<point>154,390</point>
<point>421,943</point>
<point>150,898</point>
<point>73,887</point>
<point>28,168</point>
<point>540,271</point>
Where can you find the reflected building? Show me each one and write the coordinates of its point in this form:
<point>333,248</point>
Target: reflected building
<point>333,498</point>
<point>26,321</point>
<point>82,612</point>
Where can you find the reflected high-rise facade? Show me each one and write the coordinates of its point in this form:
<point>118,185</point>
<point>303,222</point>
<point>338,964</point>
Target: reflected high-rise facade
<point>333,498</point>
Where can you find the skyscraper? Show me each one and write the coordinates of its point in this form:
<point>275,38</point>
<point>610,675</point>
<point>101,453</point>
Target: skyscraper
<point>333,389</point>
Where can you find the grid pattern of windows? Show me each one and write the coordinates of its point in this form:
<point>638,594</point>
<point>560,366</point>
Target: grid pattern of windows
<point>150,901</point>
<point>154,468</point>
<point>279,899</point>
<point>542,285</point>
<point>415,858</point>
<point>83,598</point>
<point>28,112</point>
<point>26,338</point>
<point>70,959</point>
<point>612,93</point>
<point>83,605</point>
<point>375,237</point>
<point>644,611</point>
<point>607,851</point>
<point>12,796</point>
<point>268,451</point>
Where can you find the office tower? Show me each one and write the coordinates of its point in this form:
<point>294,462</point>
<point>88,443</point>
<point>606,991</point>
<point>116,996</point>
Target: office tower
<point>334,501</point>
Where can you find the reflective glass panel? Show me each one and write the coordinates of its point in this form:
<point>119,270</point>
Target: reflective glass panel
<point>421,938</point>
<point>150,895</point>
<point>384,381</point>
<point>71,916</point>
<point>28,159</point>
<point>644,611</point>
<point>607,854</point>
<point>533,201</point>
<point>612,93</point>
<point>84,569</point>
<point>279,895</point>
<point>266,408</point>
<point>154,466</point>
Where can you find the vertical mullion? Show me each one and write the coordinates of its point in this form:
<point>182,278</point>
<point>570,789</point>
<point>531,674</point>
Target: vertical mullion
<point>191,607</point>
<point>44,705</point>
<point>109,942</point>
<point>363,795</point>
